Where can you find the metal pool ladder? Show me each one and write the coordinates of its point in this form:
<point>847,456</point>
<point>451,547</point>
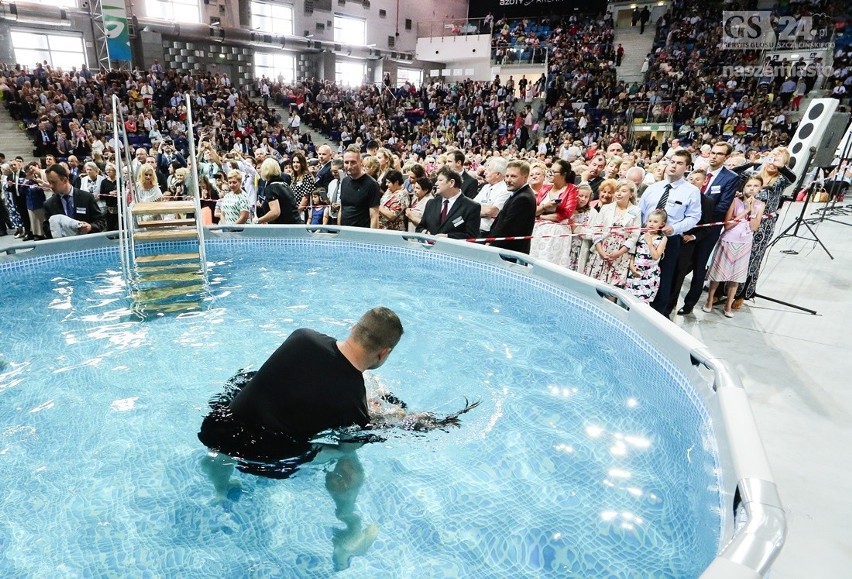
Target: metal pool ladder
<point>160,277</point>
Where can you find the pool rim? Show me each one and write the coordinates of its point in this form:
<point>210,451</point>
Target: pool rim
<point>747,550</point>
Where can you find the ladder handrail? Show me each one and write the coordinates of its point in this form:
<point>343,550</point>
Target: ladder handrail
<point>196,195</point>
<point>123,237</point>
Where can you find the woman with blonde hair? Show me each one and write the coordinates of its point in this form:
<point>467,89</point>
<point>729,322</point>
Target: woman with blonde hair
<point>277,205</point>
<point>776,178</point>
<point>233,208</point>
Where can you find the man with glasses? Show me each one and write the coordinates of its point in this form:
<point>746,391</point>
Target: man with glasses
<point>721,186</point>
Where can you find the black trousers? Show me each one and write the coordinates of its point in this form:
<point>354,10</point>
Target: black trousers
<point>693,259</point>
<point>703,251</point>
<point>668,268</point>
<point>21,206</point>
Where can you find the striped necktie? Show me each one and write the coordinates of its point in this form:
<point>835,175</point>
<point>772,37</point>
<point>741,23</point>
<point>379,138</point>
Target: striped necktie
<point>661,204</point>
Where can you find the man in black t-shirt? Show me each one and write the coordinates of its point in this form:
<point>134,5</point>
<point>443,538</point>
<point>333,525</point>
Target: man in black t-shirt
<point>311,383</point>
<point>360,195</point>
<point>265,422</point>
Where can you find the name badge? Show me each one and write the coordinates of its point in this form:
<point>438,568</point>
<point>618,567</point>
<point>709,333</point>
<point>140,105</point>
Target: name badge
<point>80,210</point>
<point>457,221</point>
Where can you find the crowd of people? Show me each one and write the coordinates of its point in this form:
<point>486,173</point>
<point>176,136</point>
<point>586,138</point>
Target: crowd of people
<point>444,158</point>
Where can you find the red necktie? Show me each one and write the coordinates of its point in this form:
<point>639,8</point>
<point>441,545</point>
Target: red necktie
<point>444,211</point>
<point>707,182</point>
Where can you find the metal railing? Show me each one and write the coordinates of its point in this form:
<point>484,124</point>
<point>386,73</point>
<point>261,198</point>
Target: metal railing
<point>125,235</point>
<point>196,194</point>
<point>454,27</point>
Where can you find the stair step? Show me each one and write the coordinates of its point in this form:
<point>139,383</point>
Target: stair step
<point>161,293</point>
<point>176,267</point>
<point>145,277</point>
<point>169,308</point>
<point>166,223</point>
<point>162,207</point>
<point>166,234</point>
<point>167,257</point>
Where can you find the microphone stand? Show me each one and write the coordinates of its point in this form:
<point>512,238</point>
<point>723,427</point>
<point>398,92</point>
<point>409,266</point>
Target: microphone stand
<point>800,220</point>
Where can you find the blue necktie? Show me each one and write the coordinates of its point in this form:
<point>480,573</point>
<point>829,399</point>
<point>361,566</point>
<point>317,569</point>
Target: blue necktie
<point>69,209</point>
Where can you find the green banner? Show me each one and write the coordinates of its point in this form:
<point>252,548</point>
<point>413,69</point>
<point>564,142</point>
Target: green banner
<point>118,36</point>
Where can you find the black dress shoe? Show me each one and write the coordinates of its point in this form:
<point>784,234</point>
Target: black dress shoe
<point>685,311</point>
<point>28,237</point>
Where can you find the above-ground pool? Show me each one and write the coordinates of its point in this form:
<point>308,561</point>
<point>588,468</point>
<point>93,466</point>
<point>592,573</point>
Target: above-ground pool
<point>591,454</point>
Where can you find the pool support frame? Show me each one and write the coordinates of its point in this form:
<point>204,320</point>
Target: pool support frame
<point>747,551</point>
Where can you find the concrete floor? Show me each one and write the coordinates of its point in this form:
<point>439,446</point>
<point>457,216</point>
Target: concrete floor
<point>793,366</point>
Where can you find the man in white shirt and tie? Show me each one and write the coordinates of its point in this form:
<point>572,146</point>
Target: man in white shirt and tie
<point>493,194</point>
<point>682,203</point>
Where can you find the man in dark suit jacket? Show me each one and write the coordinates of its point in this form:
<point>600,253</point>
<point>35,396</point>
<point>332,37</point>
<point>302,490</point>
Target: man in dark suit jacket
<point>721,186</point>
<point>690,240</point>
<point>325,175</point>
<point>517,217</point>
<point>70,209</point>
<point>469,185</point>
<point>451,214</point>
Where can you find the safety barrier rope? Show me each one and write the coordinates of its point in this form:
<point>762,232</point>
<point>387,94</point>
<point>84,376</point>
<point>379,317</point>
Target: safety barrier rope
<point>599,227</point>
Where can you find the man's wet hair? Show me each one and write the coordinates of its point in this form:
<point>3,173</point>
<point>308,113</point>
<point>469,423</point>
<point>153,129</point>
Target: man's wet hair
<point>379,328</point>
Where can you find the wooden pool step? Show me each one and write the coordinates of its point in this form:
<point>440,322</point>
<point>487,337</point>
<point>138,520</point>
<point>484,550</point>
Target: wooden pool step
<point>162,293</point>
<point>158,223</point>
<point>166,234</point>
<point>162,207</point>
<point>176,267</point>
<point>167,258</point>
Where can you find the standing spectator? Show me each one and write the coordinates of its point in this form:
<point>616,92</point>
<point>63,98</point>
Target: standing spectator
<point>682,203</point>
<point>517,218</point>
<point>360,196</point>
<point>233,208</point>
<point>619,55</point>
<point>469,184</point>
<point>644,17</point>
<point>394,203</point>
<point>720,187</point>
<point>422,194</point>
<point>450,214</point>
<point>493,194</point>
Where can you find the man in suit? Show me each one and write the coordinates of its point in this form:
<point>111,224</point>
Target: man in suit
<point>70,211</point>
<point>469,185</point>
<point>690,240</point>
<point>325,175</point>
<point>721,186</point>
<point>451,214</point>
<point>167,154</point>
<point>517,217</point>
<point>682,203</point>
<point>44,140</point>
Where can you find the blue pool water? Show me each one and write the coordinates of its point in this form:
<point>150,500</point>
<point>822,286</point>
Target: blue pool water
<point>588,455</point>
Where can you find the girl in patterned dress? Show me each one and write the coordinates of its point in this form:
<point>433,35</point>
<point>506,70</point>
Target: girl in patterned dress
<point>581,242</point>
<point>731,259</point>
<point>644,279</point>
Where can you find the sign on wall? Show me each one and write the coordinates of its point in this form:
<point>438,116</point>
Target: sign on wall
<point>534,8</point>
<point>115,25</point>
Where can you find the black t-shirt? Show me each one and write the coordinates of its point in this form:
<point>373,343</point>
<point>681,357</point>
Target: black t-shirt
<point>357,196</point>
<point>278,191</point>
<point>305,387</point>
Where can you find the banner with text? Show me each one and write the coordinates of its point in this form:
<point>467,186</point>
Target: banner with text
<point>118,36</point>
<point>534,8</point>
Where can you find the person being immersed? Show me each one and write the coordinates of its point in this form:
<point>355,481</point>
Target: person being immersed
<point>265,421</point>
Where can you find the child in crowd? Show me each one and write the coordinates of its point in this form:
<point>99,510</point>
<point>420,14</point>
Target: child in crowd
<point>580,242</point>
<point>644,279</point>
<point>730,262</point>
<point>318,212</point>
